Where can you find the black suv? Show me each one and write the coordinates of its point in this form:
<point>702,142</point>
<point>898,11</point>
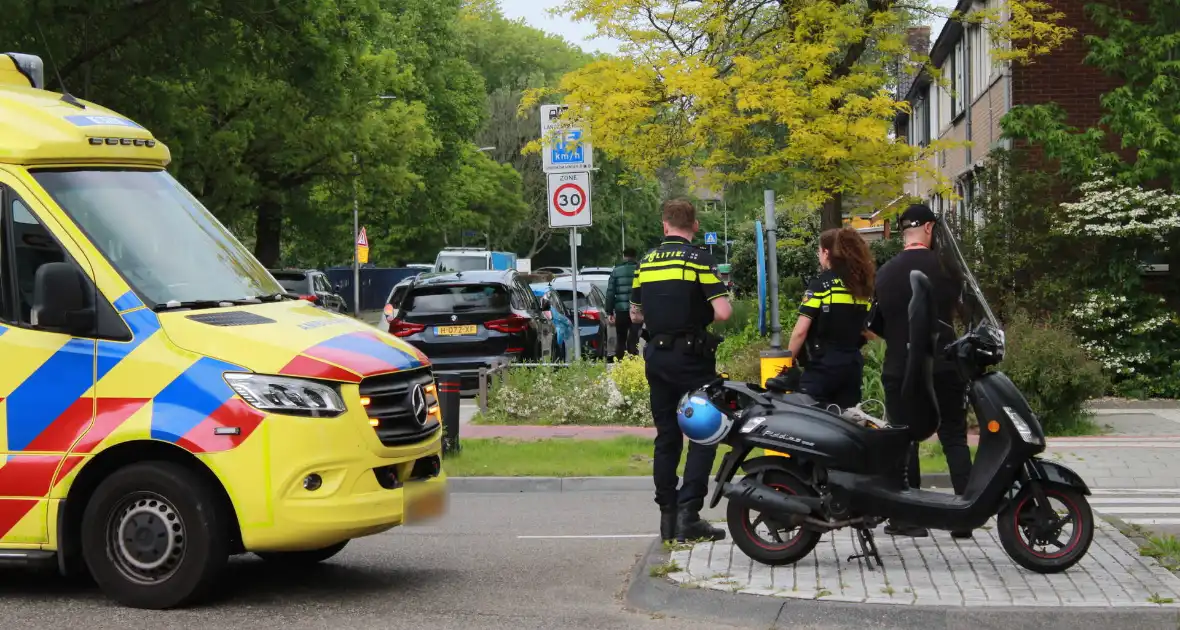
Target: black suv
<point>312,286</point>
<point>464,320</point>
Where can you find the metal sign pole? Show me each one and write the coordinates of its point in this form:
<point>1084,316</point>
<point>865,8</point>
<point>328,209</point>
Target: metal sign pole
<point>772,268</point>
<point>576,315</point>
<point>725,215</point>
<point>356,253</point>
<point>775,360</point>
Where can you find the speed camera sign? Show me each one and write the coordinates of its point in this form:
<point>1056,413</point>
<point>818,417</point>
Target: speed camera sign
<point>569,200</point>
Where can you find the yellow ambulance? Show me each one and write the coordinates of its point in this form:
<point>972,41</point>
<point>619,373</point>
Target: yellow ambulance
<point>163,403</point>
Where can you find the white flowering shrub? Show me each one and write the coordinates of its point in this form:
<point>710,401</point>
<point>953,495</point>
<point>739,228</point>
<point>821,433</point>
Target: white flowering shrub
<point>1110,210</point>
<point>582,394</point>
<point>1131,332</point>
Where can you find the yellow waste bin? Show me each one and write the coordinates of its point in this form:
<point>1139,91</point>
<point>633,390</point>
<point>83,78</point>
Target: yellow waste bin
<point>773,362</point>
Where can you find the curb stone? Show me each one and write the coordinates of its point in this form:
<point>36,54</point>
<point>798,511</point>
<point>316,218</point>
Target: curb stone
<point>469,485</point>
<point>660,595</point>
<point>1119,404</point>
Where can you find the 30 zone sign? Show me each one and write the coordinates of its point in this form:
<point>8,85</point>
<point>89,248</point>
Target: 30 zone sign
<point>569,200</point>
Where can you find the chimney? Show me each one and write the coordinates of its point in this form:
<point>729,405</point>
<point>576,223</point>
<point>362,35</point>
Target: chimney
<point>918,39</point>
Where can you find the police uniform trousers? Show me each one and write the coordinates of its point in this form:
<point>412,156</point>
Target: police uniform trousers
<point>672,373</point>
<point>835,377</point>
<point>951,393</point>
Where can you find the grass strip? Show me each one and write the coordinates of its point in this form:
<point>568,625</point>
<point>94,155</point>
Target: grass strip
<point>565,457</point>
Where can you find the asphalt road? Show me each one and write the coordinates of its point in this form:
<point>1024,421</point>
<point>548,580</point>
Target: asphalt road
<point>492,563</point>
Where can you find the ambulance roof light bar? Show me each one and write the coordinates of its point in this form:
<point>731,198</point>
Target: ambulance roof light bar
<point>31,66</point>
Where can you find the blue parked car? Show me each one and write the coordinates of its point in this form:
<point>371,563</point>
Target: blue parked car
<point>598,336</point>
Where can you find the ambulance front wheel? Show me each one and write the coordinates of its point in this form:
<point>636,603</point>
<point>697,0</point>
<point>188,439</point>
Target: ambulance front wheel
<point>154,536</point>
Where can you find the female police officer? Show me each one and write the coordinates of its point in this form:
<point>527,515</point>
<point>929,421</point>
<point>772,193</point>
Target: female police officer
<point>832,319</point>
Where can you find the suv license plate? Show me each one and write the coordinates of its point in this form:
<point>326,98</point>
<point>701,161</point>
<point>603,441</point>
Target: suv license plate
<point>451,331</point>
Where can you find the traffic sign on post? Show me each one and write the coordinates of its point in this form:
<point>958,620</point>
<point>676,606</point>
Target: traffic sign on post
<point>569,200</point>
<point>564,146</point>
<point>710,238</point>
<point>362,247</point>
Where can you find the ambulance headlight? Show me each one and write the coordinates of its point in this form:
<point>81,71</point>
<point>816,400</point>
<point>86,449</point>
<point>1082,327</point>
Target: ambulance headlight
<point>289,396</point>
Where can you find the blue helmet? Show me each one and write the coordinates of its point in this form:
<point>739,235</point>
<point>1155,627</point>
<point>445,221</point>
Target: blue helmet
<point>700,420</point>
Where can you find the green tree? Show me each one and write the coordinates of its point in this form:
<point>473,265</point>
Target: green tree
<point>512,56</point>
<point>1143,113</point>
<point>273,110</point>
<point>747,88</point>
<point>509,53</point>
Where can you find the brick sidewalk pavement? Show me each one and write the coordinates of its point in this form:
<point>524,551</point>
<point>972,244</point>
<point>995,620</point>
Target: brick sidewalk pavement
<point>938,571</point>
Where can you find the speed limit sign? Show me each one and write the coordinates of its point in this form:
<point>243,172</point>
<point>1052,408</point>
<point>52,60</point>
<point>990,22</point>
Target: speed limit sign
<point>569,200</point>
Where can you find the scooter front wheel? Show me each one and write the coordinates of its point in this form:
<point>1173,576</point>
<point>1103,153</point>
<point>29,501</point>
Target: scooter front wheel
<point>1047,540</point>
<point>763,538</point>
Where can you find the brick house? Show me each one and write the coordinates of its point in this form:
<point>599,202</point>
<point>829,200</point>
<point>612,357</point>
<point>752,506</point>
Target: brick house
<point>981,91</point>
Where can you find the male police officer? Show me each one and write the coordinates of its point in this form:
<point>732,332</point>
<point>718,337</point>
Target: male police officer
<point>677,294</point>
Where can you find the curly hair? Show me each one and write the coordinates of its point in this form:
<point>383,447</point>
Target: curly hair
<point>851,260</point>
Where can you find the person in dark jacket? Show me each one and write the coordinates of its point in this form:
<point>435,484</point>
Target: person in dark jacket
<point>618,297</point>
<point>890,320</point>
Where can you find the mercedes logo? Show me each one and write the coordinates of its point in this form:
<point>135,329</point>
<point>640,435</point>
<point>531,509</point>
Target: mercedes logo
<point>418,405</point>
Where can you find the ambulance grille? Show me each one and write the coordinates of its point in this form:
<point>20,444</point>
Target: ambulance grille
<point>232,318</point>
<point>391,404</point>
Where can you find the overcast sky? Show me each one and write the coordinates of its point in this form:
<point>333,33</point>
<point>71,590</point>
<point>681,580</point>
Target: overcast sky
<point>536,13</point>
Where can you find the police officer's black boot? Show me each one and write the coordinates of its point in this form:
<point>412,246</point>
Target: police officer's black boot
<point>787,380</point>
<point>690,527</point>
<point>668,524</point>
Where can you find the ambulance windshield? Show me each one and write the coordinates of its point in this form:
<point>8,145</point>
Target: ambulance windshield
<point>158,236</point>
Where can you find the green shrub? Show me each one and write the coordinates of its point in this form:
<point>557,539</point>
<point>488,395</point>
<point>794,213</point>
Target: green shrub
<point>1049,366</point>
<point>740,355</point>
<point>745,315</point>
<point>870,383</point>
<point>790,292</point>
<point>884,249</point>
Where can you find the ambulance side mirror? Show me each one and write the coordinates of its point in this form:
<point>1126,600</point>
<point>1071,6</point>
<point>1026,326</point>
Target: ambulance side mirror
<point>60,301</point>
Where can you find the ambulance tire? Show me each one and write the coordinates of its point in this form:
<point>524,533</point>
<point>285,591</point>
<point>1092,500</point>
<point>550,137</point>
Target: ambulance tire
<point>301,558</point>
<point>187,508</point>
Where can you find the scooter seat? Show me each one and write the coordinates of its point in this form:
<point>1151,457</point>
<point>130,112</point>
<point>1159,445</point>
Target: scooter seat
<point>795,398</point>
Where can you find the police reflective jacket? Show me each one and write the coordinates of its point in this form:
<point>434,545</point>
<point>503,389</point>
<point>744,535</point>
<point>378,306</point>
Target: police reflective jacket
<point>674,285</point>
<point>837,318</point>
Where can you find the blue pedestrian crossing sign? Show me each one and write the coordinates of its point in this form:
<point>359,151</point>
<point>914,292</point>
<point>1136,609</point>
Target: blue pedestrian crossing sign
<point>710,238</point>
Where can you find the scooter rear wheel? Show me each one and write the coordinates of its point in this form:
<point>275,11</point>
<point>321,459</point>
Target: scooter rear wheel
<point>779,545</point>
<point>1047,545</point>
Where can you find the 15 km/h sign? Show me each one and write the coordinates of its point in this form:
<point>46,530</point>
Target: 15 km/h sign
<point>569,200</point>
<point>565,146</point>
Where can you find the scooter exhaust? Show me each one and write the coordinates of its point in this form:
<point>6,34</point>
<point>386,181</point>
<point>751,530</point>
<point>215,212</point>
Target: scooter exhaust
<point>751,494</point>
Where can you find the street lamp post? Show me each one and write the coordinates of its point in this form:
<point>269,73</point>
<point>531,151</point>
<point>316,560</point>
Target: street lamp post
<point>356,253</point>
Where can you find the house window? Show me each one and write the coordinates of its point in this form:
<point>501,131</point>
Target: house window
<point>981,59</point>
<point>960,93</point>
<point>943,113</point>
<point>920,123</point>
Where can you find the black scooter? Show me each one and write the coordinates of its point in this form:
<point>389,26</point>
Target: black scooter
<point>837,473</point>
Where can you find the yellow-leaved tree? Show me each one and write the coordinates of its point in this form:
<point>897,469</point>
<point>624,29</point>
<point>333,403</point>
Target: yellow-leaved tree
<point>749,88</point>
